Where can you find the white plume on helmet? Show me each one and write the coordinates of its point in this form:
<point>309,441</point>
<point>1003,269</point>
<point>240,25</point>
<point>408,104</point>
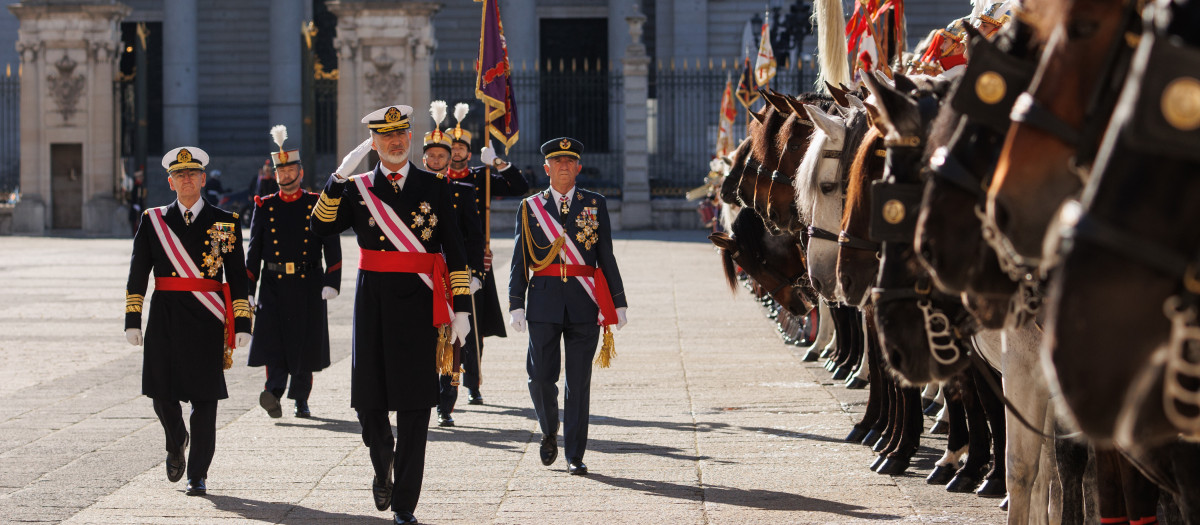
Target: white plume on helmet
<point>279,134</point>
<point>437,110</point>
<point>460,111</point>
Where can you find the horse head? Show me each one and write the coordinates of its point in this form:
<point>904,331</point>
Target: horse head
<point>1056,124</point>
<point>775,262</point>
<point>820,190</point>
<point>949,238</point>
<point>858,258</point>
<point>922,331</point>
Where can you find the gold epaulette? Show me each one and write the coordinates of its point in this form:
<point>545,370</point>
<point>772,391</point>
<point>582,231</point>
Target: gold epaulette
<point>241,308</point>
<point>133,303</point>
<point>327,206</point>
<point>460,282</point>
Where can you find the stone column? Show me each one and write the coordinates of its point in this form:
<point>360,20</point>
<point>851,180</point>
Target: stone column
<point>68,58</point>
<point>384,50</point>
<point>181,115</point>
<point>635,192</point>
<point>284,99</point>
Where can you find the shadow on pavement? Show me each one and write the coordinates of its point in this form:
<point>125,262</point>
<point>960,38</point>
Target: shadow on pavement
<point>324,423</point>
<point>514,440</point>
<point>285,512</point>
<point>759,499</point>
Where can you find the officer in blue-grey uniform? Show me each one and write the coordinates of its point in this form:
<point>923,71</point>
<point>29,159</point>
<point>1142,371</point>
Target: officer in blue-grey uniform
<point>198,312</point>
<point>411,300</point>
<point>564,239</point>
<point>505,180</point>
<point>291,324</point>
<point>437,160</point>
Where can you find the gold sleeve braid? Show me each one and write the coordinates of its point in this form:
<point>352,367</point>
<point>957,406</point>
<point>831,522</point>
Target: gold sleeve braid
<point>133,303</point>
<point>460,282</point>
<point>241,308</point>
<point>326,210</point>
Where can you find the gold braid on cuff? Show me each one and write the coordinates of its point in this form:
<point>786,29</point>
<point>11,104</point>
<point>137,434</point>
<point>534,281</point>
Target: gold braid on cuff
<point>326,210</point>
<point>133,303</point>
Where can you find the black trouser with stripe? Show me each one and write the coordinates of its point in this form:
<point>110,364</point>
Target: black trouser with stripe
<point>204,432</point>
<point>406,451</point>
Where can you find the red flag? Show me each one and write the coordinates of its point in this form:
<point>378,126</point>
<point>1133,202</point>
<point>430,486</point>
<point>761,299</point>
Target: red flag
<point>725,127</point>
<point>493,78</point>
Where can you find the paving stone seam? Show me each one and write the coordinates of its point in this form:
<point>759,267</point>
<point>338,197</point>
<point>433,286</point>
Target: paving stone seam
<point>687,387</point>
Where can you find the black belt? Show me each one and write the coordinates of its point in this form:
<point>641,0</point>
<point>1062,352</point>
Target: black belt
<point>291,267</point>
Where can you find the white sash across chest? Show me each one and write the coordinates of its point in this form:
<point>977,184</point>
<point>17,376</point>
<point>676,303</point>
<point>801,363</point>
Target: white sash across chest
<point>402,238</point>
<point>570,251</point>
<point>183,263</point>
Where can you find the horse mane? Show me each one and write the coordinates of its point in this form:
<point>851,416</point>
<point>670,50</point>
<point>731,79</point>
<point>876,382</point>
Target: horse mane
<point>747,231</point>
<point>733,177</point>
<point>866,164</point>
<point>805,181</point>
<point>764,137</point>
<point>785,132</point>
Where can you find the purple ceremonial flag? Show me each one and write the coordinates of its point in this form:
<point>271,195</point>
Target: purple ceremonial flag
<point>493,78</point>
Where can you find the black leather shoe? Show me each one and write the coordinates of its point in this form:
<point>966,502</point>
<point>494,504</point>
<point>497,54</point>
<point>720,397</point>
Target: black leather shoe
<point>444,420</point>
<point>177,461</point>
<point>383,492</point>
<point>549,449</point>
<point>196,487</point>
<point>576,468</point>
<point>474,398</point>
<point>404,518</point>
<point>270,403</point>
<point>302,409</point>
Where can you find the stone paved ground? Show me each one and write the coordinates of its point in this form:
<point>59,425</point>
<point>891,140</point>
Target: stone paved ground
<point>705,417</point>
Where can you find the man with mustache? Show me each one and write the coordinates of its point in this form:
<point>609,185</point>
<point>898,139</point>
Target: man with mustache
<point>292,322</point>
<point>411,302</point>
<point>194,250</point>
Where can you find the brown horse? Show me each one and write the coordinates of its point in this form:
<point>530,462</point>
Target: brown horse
<point>1057,123</point>
<point>858,258</point>
<point>775,262</point>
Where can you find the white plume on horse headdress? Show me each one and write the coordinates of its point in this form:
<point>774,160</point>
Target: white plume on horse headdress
<point>437,110</point>
<point>279,134</point>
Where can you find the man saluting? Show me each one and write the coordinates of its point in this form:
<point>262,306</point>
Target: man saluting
<point>564,238</point>
<point>191,246</point>
<point>413,284</point>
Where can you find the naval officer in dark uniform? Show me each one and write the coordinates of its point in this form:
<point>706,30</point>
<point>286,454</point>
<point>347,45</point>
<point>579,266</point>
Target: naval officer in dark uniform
<point>412,295</point>
<point>437,160</point>
<point>198,312</point>
<point>506,181</point>
<point>291,324</point>
<point>557,300</point>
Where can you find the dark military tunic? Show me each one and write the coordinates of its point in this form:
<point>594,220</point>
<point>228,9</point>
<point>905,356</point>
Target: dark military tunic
<point>394,337</point>
<point>183,358</point>
<point>506,183</point>
<point>291,325</point>
<point>549,298</point>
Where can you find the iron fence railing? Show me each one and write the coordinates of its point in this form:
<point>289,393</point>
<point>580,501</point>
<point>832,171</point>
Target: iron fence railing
<point>684,118</point>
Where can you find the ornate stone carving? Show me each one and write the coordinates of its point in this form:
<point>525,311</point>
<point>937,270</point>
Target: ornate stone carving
<point>384,84</point>
<point>66,86</point>
<point>635,21</point>
<point>29,51</point>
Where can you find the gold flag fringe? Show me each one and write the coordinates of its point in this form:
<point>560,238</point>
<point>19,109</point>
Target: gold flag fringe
<point>608,350</point>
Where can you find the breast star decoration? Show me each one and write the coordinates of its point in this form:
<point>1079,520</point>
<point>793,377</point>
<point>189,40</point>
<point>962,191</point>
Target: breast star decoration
<point>425,217</point>
<point>221,241</point>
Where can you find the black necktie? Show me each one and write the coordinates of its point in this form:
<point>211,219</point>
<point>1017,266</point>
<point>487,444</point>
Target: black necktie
<point>187,217</point>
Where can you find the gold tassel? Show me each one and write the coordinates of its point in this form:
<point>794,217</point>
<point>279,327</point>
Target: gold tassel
<point>445,350</point>
<point>228,351</point>
<point>608,350</point>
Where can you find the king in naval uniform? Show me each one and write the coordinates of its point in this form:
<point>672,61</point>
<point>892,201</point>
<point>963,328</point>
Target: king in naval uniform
<point>565,240</point>
<point>198,313</point>
<point>411,299</point>
<point>291,325</point>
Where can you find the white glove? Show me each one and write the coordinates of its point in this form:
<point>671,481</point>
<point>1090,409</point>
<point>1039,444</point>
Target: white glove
<point>476,284</point>
<point>328,293</point>
<point>351,160</point>
<point>253,304</point>
<point>621,319</point>
<point>487,156</point>
<point>518,319</point>
<point>461,326</point>
<point>134,336</point>
<point>242,340</point>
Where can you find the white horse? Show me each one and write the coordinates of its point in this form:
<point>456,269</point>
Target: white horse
<point>820,195</point>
